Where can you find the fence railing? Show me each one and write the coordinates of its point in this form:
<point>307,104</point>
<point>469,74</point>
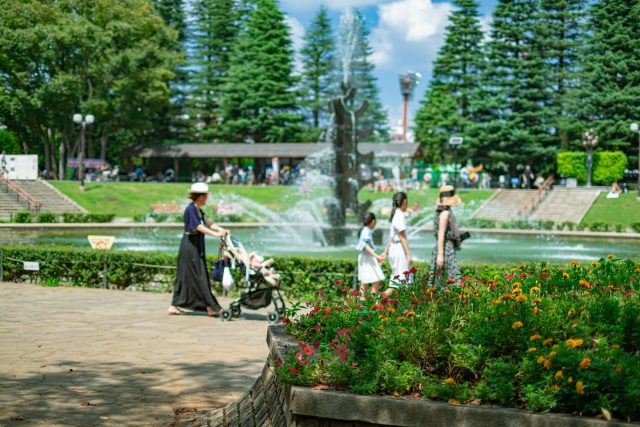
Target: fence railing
<point>22,196</point>
<point>535,200</point>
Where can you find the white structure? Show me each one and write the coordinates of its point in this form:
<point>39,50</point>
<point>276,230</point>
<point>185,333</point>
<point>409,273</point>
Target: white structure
<point>23,167</point>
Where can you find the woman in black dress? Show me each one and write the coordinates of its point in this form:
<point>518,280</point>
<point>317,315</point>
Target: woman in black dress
<point>192,288</point>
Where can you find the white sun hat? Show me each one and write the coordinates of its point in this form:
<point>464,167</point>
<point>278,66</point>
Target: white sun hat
<point>199,188</point>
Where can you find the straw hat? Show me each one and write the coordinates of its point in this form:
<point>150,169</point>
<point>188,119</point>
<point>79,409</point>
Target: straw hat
<point>199,188</point>
<point>448,196</point>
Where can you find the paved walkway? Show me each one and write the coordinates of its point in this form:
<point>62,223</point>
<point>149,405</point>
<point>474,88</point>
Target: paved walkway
<point>89,357</point>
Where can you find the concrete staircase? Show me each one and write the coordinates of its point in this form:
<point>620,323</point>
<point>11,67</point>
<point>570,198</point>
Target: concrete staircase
<point>504,205</point>
<point>52,200</point>
<point>565,204</point>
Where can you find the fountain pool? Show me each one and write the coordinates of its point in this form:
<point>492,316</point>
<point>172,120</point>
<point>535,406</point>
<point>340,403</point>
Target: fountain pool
<point>481,248</point>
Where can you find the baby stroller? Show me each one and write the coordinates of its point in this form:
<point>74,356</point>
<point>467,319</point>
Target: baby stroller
<point>262,280</point>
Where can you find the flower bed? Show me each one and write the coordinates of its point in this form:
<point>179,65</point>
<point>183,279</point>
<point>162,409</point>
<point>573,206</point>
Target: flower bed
<point>539,336</point>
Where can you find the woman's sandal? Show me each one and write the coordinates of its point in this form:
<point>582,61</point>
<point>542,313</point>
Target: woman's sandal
<point>215,313</point>
<point>175,311</point>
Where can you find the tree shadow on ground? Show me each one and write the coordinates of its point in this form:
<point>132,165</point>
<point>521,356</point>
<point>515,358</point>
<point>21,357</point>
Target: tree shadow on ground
<point>130,394</point>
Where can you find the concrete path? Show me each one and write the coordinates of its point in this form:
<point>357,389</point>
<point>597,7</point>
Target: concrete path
<point>92,357</point>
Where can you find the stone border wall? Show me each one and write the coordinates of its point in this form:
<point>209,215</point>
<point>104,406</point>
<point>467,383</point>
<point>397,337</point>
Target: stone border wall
<point>270,404</point>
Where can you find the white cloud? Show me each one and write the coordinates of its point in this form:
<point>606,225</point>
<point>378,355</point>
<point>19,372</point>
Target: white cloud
<point>297,38</point>
<point>407,30</point>
<point>306,5</point>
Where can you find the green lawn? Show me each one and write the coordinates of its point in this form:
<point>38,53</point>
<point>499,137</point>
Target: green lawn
<point>624,210</point>
<point>129,199</point>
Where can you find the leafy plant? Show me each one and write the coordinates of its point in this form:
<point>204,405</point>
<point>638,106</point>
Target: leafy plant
<point>46,217</point>
<point>22,217</point>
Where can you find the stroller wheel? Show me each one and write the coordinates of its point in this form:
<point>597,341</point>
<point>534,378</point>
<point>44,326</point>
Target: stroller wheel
<point>226,315</point>
<point>273,317</point>
<point>235,310</point>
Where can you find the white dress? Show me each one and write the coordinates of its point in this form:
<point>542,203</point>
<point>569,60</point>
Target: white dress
<point>397,258</point>
<point>369,270</point>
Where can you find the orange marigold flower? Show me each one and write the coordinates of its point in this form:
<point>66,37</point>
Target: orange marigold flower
<point>450,281</point>
<point>391,310</point>
<point>521,298</point>
<point>548,364</point>
<point>400,319</point>
<point>586,362</point>
<point>574,343</point>
<point>594,263</point>
<point>558,376</point>
<point>411,313</point>
<point>534,289</point>
<point>552,354</point>
<point>574,263</point>
<point>537,300</point>
<point>585,283</point>
<point>555,387</point>
<point>507,296</point>
<point>516,291</point>
<point>496,301</point>
<point>517,325</point>
<point>516,285</point>
<point>450,381</point>
<point>535,337</point>
<point>547,341</point>
<point>610,256</point>
<point>532,350</point>
<point>565,274</point>
<point>402,330</point>
<point>536,310</point>
<point>542,360</point>
<point>580,388</point>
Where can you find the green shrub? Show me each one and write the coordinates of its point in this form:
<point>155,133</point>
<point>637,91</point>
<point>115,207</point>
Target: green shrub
<point>572,165</point>
<point>480,223</point>
<point>569,225</point>
<point>73,217</point>
<point>22,217</point>
<point>636,227</point>
<point>499,382</point>
<point>98,218</point>
<point>608,166</point>
<point>9,142</point>
<point>46,217</point>
<point>547,225</point>
<point>620,228</point>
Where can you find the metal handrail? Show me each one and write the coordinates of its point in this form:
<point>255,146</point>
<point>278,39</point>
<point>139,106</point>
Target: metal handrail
<point>32,203</point>
<point>534,200</point>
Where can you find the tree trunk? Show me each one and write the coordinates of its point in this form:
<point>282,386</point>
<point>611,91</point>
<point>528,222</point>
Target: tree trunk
<point>62,161</point>
<point>104,138</point>
<point>47,157</point>
<point>52,153</point>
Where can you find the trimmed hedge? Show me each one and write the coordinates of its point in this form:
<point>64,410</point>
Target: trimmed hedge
<point>608,166</point>
<point>301,277</point>
<point>67,217</point>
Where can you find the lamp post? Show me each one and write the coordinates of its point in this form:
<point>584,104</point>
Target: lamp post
<point>590,141</point>
<point>83,122</point>
<point>635,128</point>
<point>408,82</point>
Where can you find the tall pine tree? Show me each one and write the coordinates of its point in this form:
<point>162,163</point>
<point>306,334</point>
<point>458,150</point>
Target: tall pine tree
<point>319,69</point>
<point>259,103</point>
<point>561,32</point>
<point>215,28</point>
<point>514,124</point>
<point>446,109</point>
<point>374,123</point>
<point>609,97</point>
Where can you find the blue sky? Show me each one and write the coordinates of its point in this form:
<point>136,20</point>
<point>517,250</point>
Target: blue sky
<point>405,36</point>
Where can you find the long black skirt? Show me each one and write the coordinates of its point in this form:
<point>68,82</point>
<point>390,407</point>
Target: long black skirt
<point>192,288</point>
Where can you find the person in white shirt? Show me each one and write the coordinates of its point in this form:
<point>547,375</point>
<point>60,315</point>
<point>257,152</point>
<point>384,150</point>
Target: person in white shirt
<point>369,271</point>
<point>397,249</point>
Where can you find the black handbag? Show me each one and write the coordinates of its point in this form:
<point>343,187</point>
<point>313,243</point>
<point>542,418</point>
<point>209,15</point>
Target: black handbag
<point>217,272</point>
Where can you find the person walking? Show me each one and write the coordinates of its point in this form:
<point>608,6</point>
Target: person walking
<point>369,271</point>
<point>445,228</point>
<point>192,287</point>
<point>3,164</point>
<point>397,249</point>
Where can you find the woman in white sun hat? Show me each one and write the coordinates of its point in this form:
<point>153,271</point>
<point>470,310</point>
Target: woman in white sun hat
<point>192,288</point>
<point>448,238</point>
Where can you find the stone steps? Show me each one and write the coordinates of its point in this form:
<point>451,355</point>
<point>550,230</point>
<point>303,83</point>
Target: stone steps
<point>504,205</point>
<point>565,204</point>
<point>51,199</point>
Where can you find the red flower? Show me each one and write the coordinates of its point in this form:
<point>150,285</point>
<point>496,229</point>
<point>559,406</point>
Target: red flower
<point>343,331</point>
<point>354,364</point>
<point>320,292</point>
<point>353,293</point>
<point>450,281</point>
<point>286,320</point>
<point>316,345</point>
<point>327,310</point>
<point>509,276</point>
<point>345,289</point>
<point>307,350</point>
<point>293,370</point>
<point>338,282</point>
<point>396,277</point>
<point>278,363</point>
<point>317,327</point>
<point>413,270</point>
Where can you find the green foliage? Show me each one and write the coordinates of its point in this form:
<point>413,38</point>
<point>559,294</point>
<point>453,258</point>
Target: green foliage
<point>22,217</point>
<point>74,217</point>
<point>540,336</point>
<point>609,166</point>
<point>9,142</point>
<point>258,103</point>
<point>46,217</point>
<point>572,164</point>
<point>319,74</point>
<point>636,227</point>
<point>624,210</point>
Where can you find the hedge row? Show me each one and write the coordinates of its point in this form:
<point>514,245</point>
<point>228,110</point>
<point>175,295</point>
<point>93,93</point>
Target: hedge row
<point>67,217</point>
<point>524,224</point>
<point>301,277</point>
<point>608,166</point>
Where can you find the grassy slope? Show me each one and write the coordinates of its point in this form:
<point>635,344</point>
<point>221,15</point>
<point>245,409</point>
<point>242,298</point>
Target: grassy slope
<point>127,199</point>
<point>624,210</point>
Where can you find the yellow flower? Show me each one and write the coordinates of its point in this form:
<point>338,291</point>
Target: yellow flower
<point>547,341</point>
<point>574,343</point>
<point>450,381</point>
<point>594,263</point>
<point>548,364</point>
<point>382,316</point>
<point>586,362</point>
<point>580,388</point>
<point>385,319</point>
<point>532,350</point>
<point>521,298</point>
<point>534,289</point>
<point>516,291</point>
<point>552,354</point>
<point>402,330</point>
<point>537,300</point>
<point>571,311</point>
<point>517,325</point>
<point>558,376</point>
<point>610,256</point>
<point>535,337</point>
<point>570,380</point>
<point>411,313</point>
<point>565,274</point>
<point>516,285</point>
<point>536,310</point>
<point>400,319</point>
<point>496,301</point>
<point>616,346</point>
<point>585,283</point>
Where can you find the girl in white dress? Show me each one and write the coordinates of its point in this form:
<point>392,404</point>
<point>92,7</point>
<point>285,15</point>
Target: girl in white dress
<point>398,247</point>
<point>369,271</point>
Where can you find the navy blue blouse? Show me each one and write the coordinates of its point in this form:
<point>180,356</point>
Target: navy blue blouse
<point>191,221</point>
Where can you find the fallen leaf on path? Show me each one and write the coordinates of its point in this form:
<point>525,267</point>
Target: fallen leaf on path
<point>453,402</point>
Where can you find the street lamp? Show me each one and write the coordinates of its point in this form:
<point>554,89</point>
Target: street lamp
<point>635,128</point>
<point>84,122</point>
<point>408,82</point>
<point>590,141</point>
